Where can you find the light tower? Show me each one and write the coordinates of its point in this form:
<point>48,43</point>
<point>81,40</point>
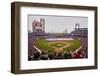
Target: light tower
<point>33,26</point>
<point>77,26</point>
<point>42,21</point>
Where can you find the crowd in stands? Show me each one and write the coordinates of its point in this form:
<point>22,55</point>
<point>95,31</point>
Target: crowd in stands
<point>57,55</point>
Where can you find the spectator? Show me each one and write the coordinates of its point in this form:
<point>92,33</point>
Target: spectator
<point>29,58</point>
<point>67,55</point>
<point>36,55</point>
<point>58,55</point>
<point>44,56</point>
<point>51,56</point>
<point>76,55</point>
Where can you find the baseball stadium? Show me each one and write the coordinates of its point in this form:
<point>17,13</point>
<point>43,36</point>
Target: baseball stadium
<point>50,46</point>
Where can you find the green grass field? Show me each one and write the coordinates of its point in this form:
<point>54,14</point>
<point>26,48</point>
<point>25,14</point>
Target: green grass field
<point>74,45</point>
<point>42,44</point>
<point>45,45</point>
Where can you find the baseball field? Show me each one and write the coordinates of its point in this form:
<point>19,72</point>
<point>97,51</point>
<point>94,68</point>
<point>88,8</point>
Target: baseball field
<point>57,45</point>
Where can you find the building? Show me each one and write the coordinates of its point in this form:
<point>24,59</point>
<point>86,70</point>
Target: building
<point>79,32</point>
<point>38,25</point>
<point>39,28</point>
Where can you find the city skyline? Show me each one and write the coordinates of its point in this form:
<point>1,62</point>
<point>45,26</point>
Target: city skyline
<point>59,24</point>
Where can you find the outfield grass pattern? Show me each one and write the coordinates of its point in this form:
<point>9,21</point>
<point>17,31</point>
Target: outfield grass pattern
<point>74,45</point>
<point>43,45</point>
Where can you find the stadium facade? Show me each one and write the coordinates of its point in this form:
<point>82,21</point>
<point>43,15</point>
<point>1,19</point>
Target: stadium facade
<point>79,32</point>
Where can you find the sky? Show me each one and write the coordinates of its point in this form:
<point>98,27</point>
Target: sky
<point>58,24</point>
